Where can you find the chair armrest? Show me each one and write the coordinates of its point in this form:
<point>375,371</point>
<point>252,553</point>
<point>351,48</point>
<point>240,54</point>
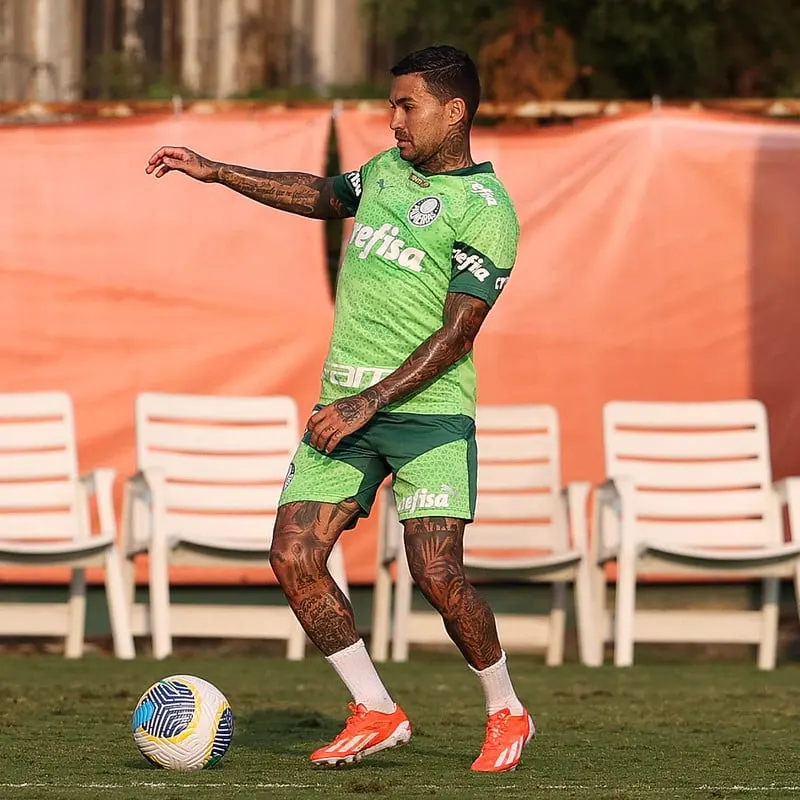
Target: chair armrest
<point>617,494</point>
<point>788,493</point>
<point>786,489</point>
<point>607,494</point>
<point>138,486</point>
<point>576,496</point>
<point>137,499</point>
<point>100,482</point>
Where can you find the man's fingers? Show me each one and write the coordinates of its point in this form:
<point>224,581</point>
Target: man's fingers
<point>165,159</point>
<point>316,419</point>
<point>327,436</point>
<point>321,436</point>
<point>166,152</point>
<point>316,428</point>
<point>174,163</point>
<point>334,441</point>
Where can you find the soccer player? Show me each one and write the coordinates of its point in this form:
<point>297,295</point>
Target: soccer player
<point>433,243</point>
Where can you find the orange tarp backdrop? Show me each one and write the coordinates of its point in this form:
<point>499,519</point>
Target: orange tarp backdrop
<point>658,261</point>
<point>115,283</point>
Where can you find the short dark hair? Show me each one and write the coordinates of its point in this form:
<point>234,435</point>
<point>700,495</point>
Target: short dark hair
<point>448,73</point>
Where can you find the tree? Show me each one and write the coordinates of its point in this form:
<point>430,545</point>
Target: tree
<point>631,49</point>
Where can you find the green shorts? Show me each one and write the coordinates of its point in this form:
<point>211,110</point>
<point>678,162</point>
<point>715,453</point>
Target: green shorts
<point>432,459</point>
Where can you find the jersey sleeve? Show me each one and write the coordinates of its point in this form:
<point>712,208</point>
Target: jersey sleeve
<point>484,251</point>
<point>349,186</point>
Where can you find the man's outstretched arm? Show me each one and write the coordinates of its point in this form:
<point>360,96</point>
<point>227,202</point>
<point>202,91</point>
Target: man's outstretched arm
<point>295,192</point>
<point>463,317</point>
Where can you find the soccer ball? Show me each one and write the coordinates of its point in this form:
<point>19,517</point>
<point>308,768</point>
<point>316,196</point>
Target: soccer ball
<point>183,723</point>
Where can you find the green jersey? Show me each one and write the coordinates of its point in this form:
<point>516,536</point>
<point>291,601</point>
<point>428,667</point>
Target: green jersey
<point>415,238</point>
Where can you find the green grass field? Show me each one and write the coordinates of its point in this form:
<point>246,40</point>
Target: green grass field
<point>702,730</point>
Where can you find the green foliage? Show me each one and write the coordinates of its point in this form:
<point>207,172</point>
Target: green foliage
<point>632,49</point>
<point>692,48</point>
<point>115,76</point>
<point>419,23</point>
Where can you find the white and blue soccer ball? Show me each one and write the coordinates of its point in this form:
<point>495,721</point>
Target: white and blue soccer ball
<point>183,723</point>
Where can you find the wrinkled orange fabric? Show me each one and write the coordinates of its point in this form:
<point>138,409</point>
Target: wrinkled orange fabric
<point>115,283</point>
<point>658,261</point>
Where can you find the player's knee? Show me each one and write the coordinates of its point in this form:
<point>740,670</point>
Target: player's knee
<point>280,558</point>
<point>286,553</point>
<point>434,550</point>
<point>436,577</point>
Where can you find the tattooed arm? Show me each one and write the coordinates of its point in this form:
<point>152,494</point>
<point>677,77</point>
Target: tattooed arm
<point>295,192</point>
<point>463,317</point>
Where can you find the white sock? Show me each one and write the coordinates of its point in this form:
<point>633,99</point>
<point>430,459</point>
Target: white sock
<point>497,687</point>
<point>355,668</point>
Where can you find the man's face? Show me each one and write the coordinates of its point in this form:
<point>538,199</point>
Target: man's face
<point>420,121</point>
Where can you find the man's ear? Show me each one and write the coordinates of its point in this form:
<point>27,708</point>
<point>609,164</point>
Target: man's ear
<point>457,111</point>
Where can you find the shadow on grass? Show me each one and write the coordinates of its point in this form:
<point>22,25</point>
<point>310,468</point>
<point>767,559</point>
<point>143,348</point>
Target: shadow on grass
<point>299,731</point>
<point>292,731</point>
<point>284,730</point>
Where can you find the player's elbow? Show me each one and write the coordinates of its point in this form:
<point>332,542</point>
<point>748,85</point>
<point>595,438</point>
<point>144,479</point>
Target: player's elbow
<point>457,343</point>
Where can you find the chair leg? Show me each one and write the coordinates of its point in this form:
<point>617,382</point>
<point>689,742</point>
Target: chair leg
<point>158,557</point>
<point>118,607</point>
<point>599,613</point>
<point>128,561</point>
<point>129,581</point>
<point>381,613</point>
<point>768,647</point>
<point>404,587</point>
<point>296,642</point>
<point>76,614</point>
<point>626,610</point>
<point>558,625</point>
<point>590,634</point>
<point>797,587</point>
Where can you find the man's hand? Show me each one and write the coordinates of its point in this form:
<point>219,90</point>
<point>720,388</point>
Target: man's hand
<point>331,424</point>
<point>182,159</point>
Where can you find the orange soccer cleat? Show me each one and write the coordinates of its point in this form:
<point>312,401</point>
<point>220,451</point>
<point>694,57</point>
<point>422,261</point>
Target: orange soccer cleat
<point>366,732</point>
<point>506,736</point>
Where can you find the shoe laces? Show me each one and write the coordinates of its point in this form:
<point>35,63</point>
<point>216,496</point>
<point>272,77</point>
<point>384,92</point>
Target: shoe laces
<point>357,714</point>
<point>496,726</point>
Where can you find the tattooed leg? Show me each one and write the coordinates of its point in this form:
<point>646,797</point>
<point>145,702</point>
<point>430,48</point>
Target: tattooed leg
<point>435,550</point>
<point>305,534</point>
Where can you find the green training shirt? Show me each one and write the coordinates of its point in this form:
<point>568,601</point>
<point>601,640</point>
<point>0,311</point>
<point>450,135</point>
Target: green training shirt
<point>415,238</point>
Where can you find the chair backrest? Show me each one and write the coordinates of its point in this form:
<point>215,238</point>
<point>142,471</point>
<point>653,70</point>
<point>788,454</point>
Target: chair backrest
<point>40,496</point>
<point>519,480</point>
<point>223,460</point>
<point>701,471</point>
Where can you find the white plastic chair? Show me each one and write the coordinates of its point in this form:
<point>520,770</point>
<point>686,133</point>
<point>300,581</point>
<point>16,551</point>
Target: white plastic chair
<point>690,493</point>
<point>521,531</point>
<point>211,470</point>
<point>45,520</point>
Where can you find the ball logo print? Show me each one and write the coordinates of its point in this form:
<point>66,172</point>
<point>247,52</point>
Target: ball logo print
<point>424,211</point>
